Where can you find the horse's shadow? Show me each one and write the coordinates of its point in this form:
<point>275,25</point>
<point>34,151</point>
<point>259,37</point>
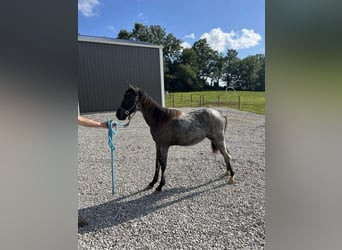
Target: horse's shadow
<point>126,208</point>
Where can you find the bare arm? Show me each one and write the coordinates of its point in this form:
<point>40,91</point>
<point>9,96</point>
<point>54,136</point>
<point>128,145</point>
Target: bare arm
<point>86,122</point>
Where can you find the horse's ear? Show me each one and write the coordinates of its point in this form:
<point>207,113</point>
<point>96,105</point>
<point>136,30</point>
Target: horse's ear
<point>131,86</point>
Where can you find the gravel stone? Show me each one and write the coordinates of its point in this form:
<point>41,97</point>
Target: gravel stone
<point>197,208</point>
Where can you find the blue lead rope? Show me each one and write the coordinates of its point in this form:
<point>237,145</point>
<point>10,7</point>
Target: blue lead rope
<point>113,131</point>
<point>112,147</point>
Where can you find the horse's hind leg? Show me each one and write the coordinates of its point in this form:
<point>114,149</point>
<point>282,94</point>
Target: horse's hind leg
<point>221,145</point>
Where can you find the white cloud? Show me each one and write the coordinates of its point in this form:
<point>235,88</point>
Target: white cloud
<point>87,7</point>
<point>220,41</point>
<point>112,28</point>
<point>185,45</point>
<point>191,36</point>
<point>142,16</point>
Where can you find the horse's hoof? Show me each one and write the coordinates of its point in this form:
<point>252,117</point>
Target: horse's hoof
<point>227,173</point>
<point>82,222</point>
<point>231,180</point>
<point>156,192</point>
<point>149,187</point>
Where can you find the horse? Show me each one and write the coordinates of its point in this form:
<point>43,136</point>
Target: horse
<point>173,127</point>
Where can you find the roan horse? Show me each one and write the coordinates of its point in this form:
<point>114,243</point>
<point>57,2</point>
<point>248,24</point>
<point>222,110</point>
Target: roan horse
<point>173,127</point>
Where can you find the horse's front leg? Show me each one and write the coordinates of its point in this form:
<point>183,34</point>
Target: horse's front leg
<point>163,159</point>
<point>156,173</point>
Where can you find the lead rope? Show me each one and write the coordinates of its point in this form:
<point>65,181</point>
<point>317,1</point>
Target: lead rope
<point>114,131</point>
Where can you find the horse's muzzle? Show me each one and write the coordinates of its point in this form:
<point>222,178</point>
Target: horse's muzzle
<point>121,115</point>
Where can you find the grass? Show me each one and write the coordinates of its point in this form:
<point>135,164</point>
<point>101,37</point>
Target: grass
<point>250,101</point>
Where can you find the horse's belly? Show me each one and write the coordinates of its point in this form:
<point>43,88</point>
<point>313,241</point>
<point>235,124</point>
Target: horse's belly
<point>188,142</point>
<point>189,137</point>
<point>178,137</point>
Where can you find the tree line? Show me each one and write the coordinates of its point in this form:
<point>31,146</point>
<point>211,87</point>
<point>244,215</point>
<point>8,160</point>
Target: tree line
<point>200,67</point>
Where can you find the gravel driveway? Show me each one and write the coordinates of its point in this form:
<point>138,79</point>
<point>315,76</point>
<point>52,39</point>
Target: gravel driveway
<point>197,209</point>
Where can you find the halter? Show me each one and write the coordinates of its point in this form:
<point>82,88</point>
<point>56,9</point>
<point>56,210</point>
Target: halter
<point>127,111</point>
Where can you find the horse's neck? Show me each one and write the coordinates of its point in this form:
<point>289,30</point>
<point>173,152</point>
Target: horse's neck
<point>150,110</point>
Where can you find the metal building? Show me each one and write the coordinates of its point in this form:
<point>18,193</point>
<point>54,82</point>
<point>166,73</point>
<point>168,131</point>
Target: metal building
<point>106,64</point>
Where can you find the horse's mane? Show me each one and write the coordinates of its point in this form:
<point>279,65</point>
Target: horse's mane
<point>160,113</point>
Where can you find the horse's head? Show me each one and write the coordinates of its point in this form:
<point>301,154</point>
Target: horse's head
<point>128,104</point>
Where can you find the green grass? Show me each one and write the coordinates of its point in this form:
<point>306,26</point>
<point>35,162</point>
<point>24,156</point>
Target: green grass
<point>250,101</point>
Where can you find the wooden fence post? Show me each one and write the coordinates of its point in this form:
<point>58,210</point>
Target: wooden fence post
<point>173,100</point>
<point>239,103</point>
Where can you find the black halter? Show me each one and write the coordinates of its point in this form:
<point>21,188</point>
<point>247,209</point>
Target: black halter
<point>128,111</point>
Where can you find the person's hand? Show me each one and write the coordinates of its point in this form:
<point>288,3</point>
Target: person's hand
<point>104,124</point>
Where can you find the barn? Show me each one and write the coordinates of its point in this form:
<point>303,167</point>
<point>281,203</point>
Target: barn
<point>106,64</point>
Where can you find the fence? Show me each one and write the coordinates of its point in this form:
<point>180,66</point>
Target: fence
<point>189,100</point>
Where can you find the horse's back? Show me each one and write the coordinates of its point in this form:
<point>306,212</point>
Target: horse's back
<point>209,115</point>
<point>202,121</point>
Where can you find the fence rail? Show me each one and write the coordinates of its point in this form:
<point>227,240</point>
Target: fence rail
<point>181,100</point>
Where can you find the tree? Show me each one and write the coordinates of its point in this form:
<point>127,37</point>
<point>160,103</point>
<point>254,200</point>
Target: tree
<point>261,73</point>
<point>186,71</point>
<point>217,69</point>
<point>205,60</point>
<point>188,56</point>
<point>124,34</point>
<point>251,70</point>
<point>186,77</point>
<point>231,67</point>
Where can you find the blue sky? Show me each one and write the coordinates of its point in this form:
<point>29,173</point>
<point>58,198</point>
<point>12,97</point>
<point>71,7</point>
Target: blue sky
<point>236,24</point>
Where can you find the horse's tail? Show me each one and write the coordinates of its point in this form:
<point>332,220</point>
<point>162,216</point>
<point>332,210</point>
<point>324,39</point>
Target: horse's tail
<point>225,125</point>
<point>214,148</point>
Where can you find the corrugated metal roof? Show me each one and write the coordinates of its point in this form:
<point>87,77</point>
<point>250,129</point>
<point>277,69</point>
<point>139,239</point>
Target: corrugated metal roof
<point>96,39</point>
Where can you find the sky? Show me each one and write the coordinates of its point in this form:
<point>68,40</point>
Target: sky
<point>226,24</point>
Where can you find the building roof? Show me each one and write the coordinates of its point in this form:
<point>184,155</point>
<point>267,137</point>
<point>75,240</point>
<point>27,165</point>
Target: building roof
<point>106,40</point>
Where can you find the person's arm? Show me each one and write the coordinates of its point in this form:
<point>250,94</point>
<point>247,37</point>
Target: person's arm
<point>86,122</point>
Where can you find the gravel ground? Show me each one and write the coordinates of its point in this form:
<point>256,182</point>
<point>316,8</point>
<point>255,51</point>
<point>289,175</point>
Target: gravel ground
<point>197,209</point>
